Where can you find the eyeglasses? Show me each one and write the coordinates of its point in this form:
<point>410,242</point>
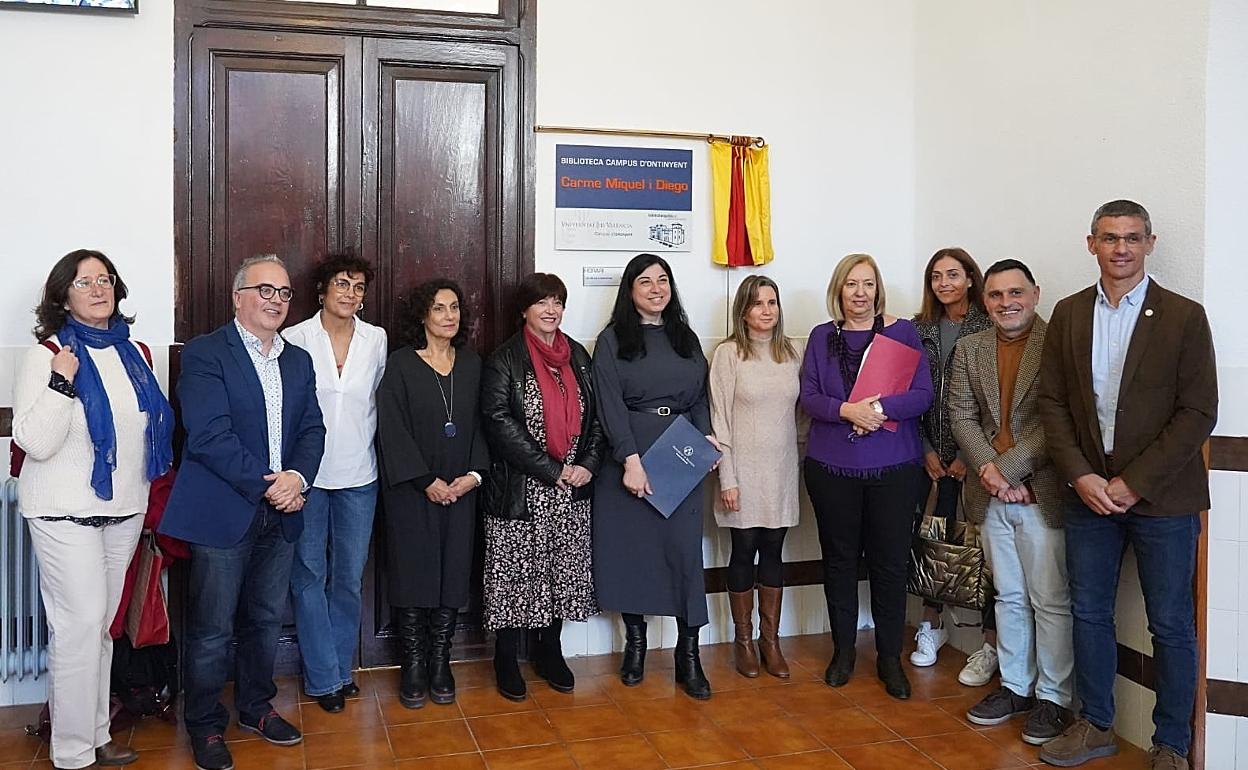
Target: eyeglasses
<point>268,291</point>
<point>103,281</point>
<point>343,286</point>
<point>1112,239</point>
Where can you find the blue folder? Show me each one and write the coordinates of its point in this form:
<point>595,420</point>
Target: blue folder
<point>676,463</point>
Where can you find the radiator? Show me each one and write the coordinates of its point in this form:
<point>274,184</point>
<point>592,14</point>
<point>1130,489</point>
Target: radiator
<point>23,627</point>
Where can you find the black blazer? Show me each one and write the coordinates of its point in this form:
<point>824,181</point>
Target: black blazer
<point>515,453</point>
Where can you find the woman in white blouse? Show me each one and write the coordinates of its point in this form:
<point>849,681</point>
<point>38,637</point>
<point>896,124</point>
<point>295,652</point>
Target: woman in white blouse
<point>96,430</point>
<point>349,356</point>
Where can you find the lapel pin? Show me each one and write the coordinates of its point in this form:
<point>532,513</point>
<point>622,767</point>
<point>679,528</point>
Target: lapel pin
<point>1148,311</point>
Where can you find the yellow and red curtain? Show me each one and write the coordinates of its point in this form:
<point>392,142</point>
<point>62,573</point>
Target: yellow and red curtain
<point>742,188</point>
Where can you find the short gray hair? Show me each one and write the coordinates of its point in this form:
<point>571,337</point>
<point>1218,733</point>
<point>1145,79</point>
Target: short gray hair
<point>1122,208</point>
<point>240,277</point>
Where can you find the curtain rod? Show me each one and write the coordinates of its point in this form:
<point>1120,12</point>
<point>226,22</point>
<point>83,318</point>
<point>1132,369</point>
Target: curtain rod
<point>756,141</point>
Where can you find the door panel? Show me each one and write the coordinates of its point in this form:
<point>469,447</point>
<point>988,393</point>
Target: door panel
<point>441,200</point>
<point>276,166</point>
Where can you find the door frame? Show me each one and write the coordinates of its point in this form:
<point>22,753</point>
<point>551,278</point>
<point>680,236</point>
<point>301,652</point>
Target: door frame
<point>515,24</point>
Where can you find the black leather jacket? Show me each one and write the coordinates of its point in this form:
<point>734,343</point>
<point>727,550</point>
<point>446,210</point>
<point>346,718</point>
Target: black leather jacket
<point>515,454</point>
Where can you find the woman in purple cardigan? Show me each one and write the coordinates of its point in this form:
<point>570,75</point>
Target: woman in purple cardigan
<point>863,481</point>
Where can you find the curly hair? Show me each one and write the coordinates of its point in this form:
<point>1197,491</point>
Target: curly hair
<point>51,312</point>
<point>333,264</point>
<point>415,309</point>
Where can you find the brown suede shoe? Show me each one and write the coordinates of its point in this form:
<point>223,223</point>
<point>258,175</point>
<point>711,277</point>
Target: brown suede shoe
<point>112,754</point>
<point>1165,758</point>
<point>1079,743</point>
<point>742,605</point>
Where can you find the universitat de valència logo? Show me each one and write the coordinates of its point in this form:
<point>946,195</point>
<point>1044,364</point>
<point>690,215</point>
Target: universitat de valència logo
<point>684,455</point>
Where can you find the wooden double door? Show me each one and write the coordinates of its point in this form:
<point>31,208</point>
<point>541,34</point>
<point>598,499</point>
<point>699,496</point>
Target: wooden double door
<point>404,151</point>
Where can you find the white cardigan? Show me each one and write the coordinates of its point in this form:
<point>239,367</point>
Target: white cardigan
<point>56,476</point>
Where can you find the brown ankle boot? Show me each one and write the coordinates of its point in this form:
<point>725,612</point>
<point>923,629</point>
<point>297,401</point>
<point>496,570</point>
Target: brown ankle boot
<point>769,631</point>
<point>742,605</point>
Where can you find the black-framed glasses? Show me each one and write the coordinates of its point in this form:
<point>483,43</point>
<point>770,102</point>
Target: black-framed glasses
<point>268,291</point>
<point>103,281</point>
<point>343,286</point>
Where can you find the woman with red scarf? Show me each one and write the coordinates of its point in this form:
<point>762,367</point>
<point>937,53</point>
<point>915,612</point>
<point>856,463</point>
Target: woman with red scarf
<point>537,408</point>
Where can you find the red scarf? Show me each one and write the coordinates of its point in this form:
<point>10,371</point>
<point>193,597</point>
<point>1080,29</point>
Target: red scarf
<point>561,407</point>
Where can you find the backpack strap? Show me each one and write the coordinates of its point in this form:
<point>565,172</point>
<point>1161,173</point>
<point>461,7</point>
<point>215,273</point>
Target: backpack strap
<point>50,345</point>
<point>147,353</point>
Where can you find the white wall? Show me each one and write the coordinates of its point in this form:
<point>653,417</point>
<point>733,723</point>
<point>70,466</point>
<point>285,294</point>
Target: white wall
<point>87,132</point>
<point>1226,274</point>
<point>1031,114</point>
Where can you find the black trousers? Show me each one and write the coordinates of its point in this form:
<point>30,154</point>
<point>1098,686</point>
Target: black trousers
<point>871,516</point>
<point>948,493</point>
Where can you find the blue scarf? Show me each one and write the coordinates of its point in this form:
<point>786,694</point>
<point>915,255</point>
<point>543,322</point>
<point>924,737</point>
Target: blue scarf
<point>78,337</point>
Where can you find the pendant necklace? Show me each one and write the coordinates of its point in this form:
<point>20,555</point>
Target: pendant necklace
<point>449,430</point>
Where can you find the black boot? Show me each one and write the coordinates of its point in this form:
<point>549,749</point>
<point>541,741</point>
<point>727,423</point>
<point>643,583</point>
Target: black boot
<point>506,668</point>
<point>413,625</point>
<point>842,665</point>
<point>633,667</point>
<point>441,631</point>
<point>549,660</point>
<point>894,678</point>
<point>689,664</point>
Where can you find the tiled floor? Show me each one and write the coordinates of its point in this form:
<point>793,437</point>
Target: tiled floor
<point>749,723</point>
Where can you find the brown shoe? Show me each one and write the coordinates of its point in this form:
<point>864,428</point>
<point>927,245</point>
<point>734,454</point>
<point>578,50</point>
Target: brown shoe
<point>742,605</point>
<point>111,754</point>
<point>1079,743</point>
<point>1165,758</point>
<point>769,631</point>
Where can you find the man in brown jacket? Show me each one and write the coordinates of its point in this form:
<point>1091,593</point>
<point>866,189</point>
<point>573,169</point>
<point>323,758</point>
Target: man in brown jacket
<point>1128,396</point>
<point>996,420</point>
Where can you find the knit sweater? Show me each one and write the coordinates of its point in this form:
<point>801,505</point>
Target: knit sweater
<point>52,428</point>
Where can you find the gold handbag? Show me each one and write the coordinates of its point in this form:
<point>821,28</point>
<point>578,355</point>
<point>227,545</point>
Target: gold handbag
<point>949,567</point>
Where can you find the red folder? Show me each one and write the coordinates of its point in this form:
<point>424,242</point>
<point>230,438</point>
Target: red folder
<point>888,368</point>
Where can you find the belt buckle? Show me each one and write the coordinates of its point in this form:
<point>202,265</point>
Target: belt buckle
<point>663,411</point>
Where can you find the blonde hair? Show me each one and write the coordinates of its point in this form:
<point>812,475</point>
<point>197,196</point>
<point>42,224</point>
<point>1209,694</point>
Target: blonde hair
<point>782,349</point>
<point>841,274</point>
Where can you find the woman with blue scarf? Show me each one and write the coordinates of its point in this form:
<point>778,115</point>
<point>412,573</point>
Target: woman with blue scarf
<point>89,413</point>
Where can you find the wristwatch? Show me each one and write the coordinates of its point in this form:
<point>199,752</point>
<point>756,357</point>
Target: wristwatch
<point>878,407</point>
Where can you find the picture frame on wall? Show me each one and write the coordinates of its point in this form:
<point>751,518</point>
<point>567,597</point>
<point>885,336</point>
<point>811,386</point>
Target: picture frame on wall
<point>102,6</point>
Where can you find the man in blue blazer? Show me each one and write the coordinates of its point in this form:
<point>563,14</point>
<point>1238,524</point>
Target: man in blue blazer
<point>254,442</point>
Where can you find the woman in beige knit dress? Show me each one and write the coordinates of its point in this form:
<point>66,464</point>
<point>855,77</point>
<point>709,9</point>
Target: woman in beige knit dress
<point>754,390</point>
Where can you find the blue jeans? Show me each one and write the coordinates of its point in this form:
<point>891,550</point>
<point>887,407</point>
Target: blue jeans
<point>325,582</point>
<point>1165,552</point>
<point>1028,562</point>
<point>247,582</point>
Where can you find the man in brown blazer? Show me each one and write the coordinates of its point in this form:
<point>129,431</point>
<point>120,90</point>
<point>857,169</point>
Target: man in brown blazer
<point>995,417</point>
<point>1128,396</point>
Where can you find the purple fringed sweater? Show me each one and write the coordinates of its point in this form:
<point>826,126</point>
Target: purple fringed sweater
<point>823,392</point>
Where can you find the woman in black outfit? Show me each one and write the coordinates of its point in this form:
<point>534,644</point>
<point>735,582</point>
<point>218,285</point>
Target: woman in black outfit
<point>538,412</point>
<point>433,457</point>
<point>649,368</point>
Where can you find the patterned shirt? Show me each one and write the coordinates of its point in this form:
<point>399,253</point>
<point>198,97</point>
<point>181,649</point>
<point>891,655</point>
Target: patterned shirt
<point>270,374</point>
<point>1112,328</point>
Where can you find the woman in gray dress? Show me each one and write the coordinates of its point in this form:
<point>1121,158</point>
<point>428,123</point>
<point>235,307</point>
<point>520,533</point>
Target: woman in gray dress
<point>649,368</point>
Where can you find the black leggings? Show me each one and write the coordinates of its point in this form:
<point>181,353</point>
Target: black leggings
<point>768,545</point>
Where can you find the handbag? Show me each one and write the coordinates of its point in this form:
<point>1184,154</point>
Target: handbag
<point>147,616</point>
<point>947,564</point>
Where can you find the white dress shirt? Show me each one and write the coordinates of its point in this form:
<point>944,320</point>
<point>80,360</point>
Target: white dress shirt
<point>348,399</point>
<point>1112,328</point>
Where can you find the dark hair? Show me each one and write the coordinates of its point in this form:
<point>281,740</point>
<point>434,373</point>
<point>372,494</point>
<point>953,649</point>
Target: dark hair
<point>627,321</point>
<point>1123,208</point>
<point>537,287</point>
<point>333,264</point>
<point>1010,264</point>
<point>415,310</point>
<point>50,313</point>
<point>932,310</point>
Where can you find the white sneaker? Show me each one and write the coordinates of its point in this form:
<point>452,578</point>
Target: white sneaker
<point>930,641</point>
<point>980,667</point>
